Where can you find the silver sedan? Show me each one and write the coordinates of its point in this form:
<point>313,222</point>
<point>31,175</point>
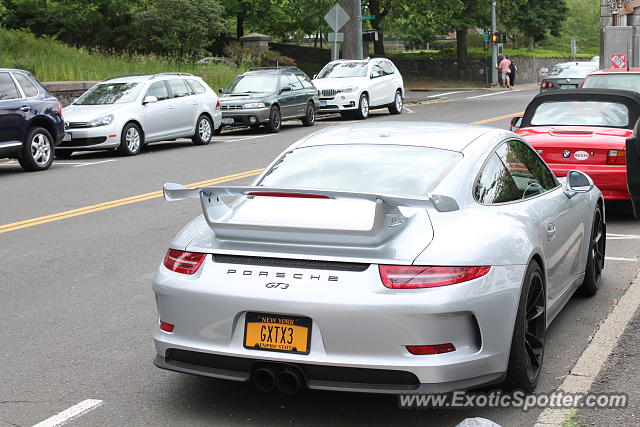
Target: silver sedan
<point>383,258</point>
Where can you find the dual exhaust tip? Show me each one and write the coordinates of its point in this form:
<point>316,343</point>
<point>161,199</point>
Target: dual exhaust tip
<point>286,378</point>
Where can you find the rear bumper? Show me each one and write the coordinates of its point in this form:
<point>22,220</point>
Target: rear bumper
<point>358,327</point>
<point>610,179</point>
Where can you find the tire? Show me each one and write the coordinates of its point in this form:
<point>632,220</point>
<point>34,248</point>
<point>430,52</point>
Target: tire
<point>396,106</point>
<point>131,140</point>
<point>37,150</point>
<point>63,154</point>
<point>275,120</point>
<point>595,258</point>
<point>204,131</point>
<point>309,118</point>
<point>363,107</point>
<point>217,131</point>
<point>527,343</point>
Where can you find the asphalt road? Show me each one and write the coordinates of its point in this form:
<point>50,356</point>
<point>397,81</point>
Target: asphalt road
<point>77,311</point>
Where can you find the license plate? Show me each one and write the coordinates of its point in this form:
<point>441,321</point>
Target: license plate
<point>323,103</point>
<point>227,121</point>
<point>568,86</point>
<point>277,332</point>
<point>67,136</point>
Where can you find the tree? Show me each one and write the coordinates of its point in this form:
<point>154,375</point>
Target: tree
<point>179,28</point>
<point>379,9</point>
<point>246,10</point>
<point>472,13</point>
<point>535,18</point>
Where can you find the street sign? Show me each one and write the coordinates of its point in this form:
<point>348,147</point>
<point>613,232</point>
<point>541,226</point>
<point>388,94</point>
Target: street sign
<point>337,17</point>
<point>336,37</point>
<point>618,60</point>
<point>368,17</point>
<point>485,36</point>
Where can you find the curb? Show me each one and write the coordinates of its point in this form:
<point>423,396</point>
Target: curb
<point>593,358</point>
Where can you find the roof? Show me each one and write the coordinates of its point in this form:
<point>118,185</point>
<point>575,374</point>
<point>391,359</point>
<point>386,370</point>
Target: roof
<point>579,63</point>
<point>449,136</point>
<point>629,98</point>
<point>617,71</point>
<point>143,77</point>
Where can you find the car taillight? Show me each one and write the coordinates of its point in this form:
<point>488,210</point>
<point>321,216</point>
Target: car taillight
<point>217,104</point>
<point>183,262</point>
<point>546,85</point>
<point>616,157</point>
<point>416,277</point>
<point>430,349</point>
<point>59,109</point>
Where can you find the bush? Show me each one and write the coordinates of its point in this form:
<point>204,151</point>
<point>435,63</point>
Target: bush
<point>256,58</point>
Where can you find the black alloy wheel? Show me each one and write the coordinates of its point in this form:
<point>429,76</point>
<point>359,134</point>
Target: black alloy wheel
<point>595,258</point>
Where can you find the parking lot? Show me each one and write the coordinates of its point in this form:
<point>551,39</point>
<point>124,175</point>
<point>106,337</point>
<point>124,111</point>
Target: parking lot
<point>82,241</point>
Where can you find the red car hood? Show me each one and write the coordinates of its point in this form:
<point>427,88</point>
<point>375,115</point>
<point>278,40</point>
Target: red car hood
<point>590,143</point>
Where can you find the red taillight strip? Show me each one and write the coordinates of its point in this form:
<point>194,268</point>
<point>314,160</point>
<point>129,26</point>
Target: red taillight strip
<point>292,195</point>
<point>417,277</point>
<point>183,262</point>
<point>431,349</point>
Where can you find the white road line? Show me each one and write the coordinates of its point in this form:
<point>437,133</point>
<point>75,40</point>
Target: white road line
<point>443,94</point>
<point>94,163</point>
<point>613,236</point>
<point>409,110</point>
<point>69,414</point>
<point>247,138</point>
<point>493,93</point>
<point>593,358</point>
<point>613,258</point>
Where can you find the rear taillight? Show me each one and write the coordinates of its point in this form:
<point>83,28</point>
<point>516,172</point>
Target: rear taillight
<point>431,349</point>
<point>616,157</point>
<point>546,85</point>
<point>167,327</point>
<point>59,109</point>
<point>218,104</point>
<point>415,277</point>
<point>183,262</point>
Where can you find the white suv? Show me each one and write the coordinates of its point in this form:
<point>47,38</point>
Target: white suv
<point>353,87</point>
<point>125,112</point>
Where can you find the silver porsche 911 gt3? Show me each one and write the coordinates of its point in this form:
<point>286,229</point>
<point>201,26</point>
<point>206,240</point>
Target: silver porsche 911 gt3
<point>383,258</point>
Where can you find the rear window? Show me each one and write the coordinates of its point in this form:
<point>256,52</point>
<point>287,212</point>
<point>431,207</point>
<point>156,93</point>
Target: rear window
<point>614,81</point>
<point>382,169</point>
<point>581,113</point>
<point>573,71</point>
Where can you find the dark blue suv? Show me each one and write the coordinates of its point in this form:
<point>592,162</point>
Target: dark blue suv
<point>31,122</point>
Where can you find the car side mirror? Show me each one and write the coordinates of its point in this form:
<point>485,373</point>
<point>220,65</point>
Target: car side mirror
<point>515,123</point>
<point>371,76</point>
<point>149,100</point>
<point>285,89</point>
<point>577,182</point>
<point>221,90</point>
<point>314,76</point>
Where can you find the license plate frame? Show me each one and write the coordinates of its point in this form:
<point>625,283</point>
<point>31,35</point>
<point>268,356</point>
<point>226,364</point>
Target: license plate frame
<point>67,137</point>
<point>228,121</point>
<point>568,86</point>
<point>298,324</point>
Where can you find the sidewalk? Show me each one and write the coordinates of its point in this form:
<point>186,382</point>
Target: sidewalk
<point>414,94</point>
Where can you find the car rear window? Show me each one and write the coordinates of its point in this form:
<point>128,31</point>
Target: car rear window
<point>573,71</point>
<point>382,169</point>
<point>581,113</point>
<point>613,81</point>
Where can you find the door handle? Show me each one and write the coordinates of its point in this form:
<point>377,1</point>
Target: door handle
<point>551,232</point>
<point>25,108</point>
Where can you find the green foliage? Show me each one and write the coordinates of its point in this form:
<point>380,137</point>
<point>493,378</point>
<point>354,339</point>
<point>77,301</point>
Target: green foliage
<point>51,60</point>
<point>479,53</point>
<point>252,57</point>
<point>179,28</point>
<point>572,421</point>
<point>3,12</point>
<point>534,19</point>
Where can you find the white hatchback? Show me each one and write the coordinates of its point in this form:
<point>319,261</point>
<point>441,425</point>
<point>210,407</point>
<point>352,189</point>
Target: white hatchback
<point>126,112</point>
<point>353,87</point>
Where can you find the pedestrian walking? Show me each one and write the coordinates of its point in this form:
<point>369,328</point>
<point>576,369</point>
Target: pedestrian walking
<point>503,66</point>
<point>512,74</point>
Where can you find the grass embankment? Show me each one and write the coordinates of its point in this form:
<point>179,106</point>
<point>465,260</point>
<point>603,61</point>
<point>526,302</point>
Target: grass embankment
<point>51,60</point>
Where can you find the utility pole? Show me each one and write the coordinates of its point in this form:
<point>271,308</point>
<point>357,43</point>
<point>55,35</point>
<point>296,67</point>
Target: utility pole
<point>358,10</point>
<point>494,46</point>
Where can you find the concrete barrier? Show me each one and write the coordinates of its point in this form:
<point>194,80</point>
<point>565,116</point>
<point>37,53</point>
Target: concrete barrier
<point>66,92</point>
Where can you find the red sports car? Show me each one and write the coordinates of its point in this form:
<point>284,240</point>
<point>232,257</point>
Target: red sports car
<point>586,129</point>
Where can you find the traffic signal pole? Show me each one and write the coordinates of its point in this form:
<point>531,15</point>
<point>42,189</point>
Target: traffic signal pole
<point>358,7</point>
<point>494,46</point>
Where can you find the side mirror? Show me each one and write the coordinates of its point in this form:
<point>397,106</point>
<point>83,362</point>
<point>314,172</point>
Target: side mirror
<point>314,76</point>
<point>149,100</point>
<point>515,123</point>
<point>221,90</point>
<point>285,89</point>
<point>371,76</point>
<point>577,182</point>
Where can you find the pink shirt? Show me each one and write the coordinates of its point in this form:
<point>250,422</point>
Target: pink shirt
<point>504,65</point>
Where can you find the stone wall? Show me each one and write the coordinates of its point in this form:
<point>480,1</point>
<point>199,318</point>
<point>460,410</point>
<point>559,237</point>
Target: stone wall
<point>66,92</point>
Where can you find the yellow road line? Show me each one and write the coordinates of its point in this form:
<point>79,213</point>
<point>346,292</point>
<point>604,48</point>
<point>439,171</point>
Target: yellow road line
<point>115,203</point>
<point>495,119</point>
<point>154,194</point>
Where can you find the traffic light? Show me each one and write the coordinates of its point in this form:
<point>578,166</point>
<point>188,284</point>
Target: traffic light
<point>496,38</point>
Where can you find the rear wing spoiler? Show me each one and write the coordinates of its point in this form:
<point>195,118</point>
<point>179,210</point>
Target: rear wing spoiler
<point>174,192</point>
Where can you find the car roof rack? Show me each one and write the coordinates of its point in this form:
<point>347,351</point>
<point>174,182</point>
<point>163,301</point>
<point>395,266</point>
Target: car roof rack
<point>170,74</point>
<point>124,75</point>
<point>282,67</point>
